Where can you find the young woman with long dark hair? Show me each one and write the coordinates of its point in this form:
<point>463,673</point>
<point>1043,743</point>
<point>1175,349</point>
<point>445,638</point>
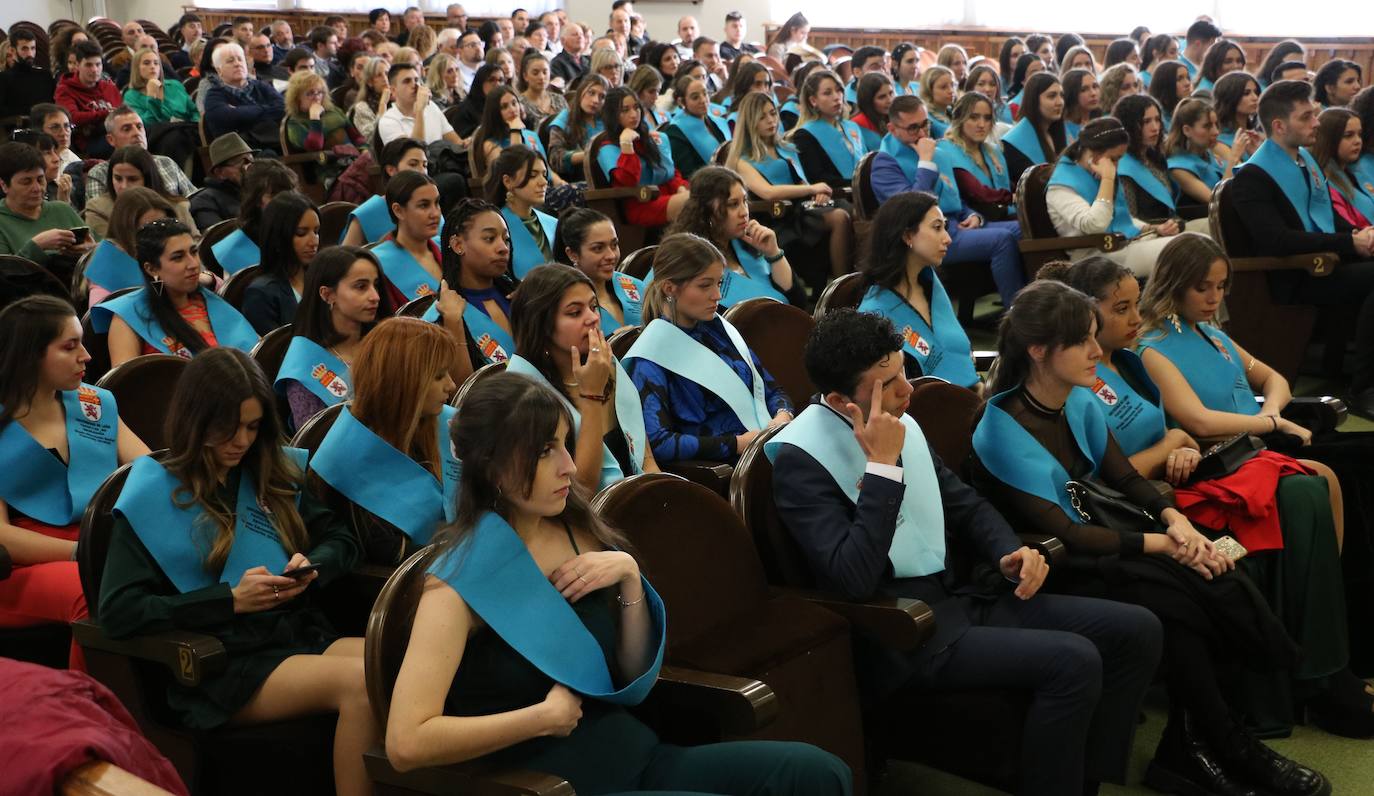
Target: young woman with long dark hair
<point>290,239</point>
<point>635,155</point>
<point>1039,136</point>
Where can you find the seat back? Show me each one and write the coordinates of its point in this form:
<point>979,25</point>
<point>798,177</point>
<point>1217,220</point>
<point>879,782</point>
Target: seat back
<point>416,307</point>
<point>693,548</point>
<point>21,277</point>
<point>311,433</point>
<point>98,343</point>
<point>751,496</point>
<point>596,178</point>
<point>1226,226</point>
<point>1032,210</point>
<point>271,350</point>
<point>216,233</point>
<point>143,389</point>
<point>721,154</point>
<point>93,545</point>
<point>639,262</point>
<point>485,372</point>
<point>621,341</point>
<point>236,287</point>
<point>865,201</point>
<point>388,630</point>
<point>333,221</point>
<point>776,333</point>
<point>842,291</point>
<point>945,413</point>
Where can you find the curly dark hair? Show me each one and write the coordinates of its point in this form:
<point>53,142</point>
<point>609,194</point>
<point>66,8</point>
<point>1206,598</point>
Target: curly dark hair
<point>843,344</point>
<point>705,207</point>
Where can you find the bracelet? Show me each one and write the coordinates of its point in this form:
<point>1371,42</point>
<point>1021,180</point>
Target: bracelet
<point>624,604</point>
<point>770,260</point>
<point>1275,421</point>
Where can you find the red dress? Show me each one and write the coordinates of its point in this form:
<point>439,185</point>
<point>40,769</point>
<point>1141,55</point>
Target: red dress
<point>653,213</point>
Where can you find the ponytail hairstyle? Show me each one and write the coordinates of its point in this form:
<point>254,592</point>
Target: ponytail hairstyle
<point>573,226</point>
<point>151,242</point>
<point>204,411</point>
<point>1183,262</point>
<point>1282,52</point>
<point>1191,111</point>
<point>1063,45</point>
<point>1098,135</point>
<point>1017,83</point>
<point>512,160</point>
<point>27,327</point>
<point>1329,74</point>
<point>887,256</point>
<point>395,364</point>
<point>680,258</point>
<point>401,187</point>
<point>1093,276</point>
<point>1046,312</point>
<point>1155,50</point>
<point>501,432</point>
<point>610,117</point>
<point>1118,52</point>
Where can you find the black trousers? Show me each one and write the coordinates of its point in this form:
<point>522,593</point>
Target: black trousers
<point>1088,663</point>
<point>1351,286</point>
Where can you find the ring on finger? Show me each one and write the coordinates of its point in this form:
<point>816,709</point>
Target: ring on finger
<point>579,577</point>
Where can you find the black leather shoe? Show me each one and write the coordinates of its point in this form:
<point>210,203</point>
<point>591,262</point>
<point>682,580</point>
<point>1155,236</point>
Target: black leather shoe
<point>1270,772</point>
<point>1184,765</point>
<point>1362,404</point>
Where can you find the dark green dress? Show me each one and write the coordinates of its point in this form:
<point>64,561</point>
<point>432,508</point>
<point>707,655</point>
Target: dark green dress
<point>611,751</point>
<point>137,598</point>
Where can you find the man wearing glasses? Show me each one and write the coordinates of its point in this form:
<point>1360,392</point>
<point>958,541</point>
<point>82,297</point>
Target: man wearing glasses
<point>470,54</point>
<point>908,160</point>
<point>53,120</point>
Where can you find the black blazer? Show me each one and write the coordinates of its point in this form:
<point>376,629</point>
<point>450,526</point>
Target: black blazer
<point>847,544</point>
<point>1273,227</point>
<point>816,161</point>
<point>269,303</point>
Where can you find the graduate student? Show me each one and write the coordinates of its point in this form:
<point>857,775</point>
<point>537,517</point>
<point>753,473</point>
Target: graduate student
<point>587,240</point>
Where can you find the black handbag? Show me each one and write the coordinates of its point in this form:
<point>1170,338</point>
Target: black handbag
<point>1099,504</point>
<point>1225,458</point>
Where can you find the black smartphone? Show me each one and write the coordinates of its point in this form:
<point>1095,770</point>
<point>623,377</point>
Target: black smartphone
<point>81,233</point>
<point>300,572</point>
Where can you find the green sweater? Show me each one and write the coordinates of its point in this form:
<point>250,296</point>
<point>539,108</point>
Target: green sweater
<point>175,104</point>
<point>17,232</point>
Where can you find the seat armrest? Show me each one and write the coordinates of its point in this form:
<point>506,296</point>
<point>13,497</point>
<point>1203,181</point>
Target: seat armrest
<point>470,779</point>
<point>188,656</point>
<point>764,208</point>
<point>1318,264</point>
<point>982,360</point>
<point>1105,242</point>
<point>739,705</point>
<point>6,563</point>
<point>643,193</point>
<point>1316,413</point>
<point>1049,546</point>
<point>898,623</point>
<point>712,475</point>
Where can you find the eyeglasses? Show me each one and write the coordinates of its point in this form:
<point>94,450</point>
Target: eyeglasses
<point>315,93</point>
<point>57,128</point>
<point>917,127</point>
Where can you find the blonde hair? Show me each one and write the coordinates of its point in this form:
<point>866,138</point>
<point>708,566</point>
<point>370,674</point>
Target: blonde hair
<point>375,66</point>
<point>810,88</point>
<point>435,76</point>
<point>136,79</point>
<point>1183,262</point>
<point>680,257</point>
<point>928,79</point>
<point>1110,82</point>
<point>296,87</point>
<point>423,39</point>
<point>945,56</point>
<point>963,109</point>
<point>603,58</point>
<point>747,143</point>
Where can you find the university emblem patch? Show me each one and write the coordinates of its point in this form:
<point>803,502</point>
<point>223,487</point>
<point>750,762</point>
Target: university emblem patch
<point>90,403</point>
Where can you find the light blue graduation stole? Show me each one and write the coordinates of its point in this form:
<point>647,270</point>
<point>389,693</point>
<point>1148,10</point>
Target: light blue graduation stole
<point>492,570</point>
<point>1203,85</point>
<point>939,125</point>
<point>609,155</point>
<point>1228,137</point>
<point>871,139</point>
<point>1017,459</point>
<point>373,217</point>
<point>1131,166</point>
<point>525,251</point>
<point>1145,79</point>
<point>1070,174</point>
<point>1209,169</point>
<point>1363,171</point>
<point>1017,100</point>
<point>1362,196</point>
<point>669,347</point>
<point>235,252</point>
<point>694,130</point>
<point>315,368</point>
<point>959,158</point>
<point>492,341</point>
<point>591,128</point>
<point>179,541</point>
<point>913,88</point>
<point>629,413</point>
<point>1004,114</point>
<point>111,269</point>
<point>1210,362</point>
<point>1071,130</point>
<point>785,169</point>
<point>35,482</point>
<point>659,117</point>
<point>230,328</point>
<point>528,138</point>
<point>387,483</point>
<point>918,542</point>
<point>1308,194</point>
<point>945,190</point>
<point>790,106</point>
<point>1135,418</point>
<point>755,282</point>
<point>1189,65</point>
<point>1024,137</point>
<point>943,351</point>
<point>630,291</point>
<point>403,271</point>
<point>844,145</point>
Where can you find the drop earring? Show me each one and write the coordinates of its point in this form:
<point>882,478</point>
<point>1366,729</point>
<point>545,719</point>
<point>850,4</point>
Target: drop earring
<point>157,285</point>
<point>1173,319</point>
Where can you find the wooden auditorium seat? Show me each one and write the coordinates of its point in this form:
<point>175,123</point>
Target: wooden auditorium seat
<point>777,332</point>
<point>21,277</point>
<point>209,237</point>
<point>236,286</point>
<point>730,705</point>
<point>639,262</point>
<point>607,199</point>
<point>726,619</point>
<point>271,350</point>
<point>478,376</point>
<point>98,343</point>
<point>333,221</point>
<point>1040,242</point>
<point>143,389</point>
<point>139,670</point>
<point>621,341</point>
<point>842,291</point>
<point>416,307</point>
